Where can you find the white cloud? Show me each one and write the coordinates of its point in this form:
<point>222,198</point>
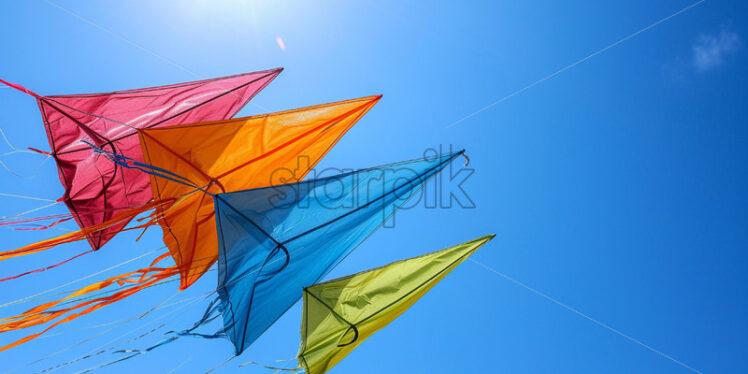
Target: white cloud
<point>710,50</point>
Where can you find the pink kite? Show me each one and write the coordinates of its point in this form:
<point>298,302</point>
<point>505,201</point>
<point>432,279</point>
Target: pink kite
<point>95,188</point>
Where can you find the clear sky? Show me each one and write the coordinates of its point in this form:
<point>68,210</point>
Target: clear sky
<point>616,187</point>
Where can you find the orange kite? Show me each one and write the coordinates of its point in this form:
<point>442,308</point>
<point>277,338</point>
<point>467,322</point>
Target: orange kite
<point>233,155</point>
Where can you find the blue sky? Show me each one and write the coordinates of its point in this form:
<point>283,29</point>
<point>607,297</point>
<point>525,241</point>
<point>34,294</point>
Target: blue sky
<point>616,187</point>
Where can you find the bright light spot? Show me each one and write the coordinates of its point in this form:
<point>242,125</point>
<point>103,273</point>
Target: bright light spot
<point>280,43</point>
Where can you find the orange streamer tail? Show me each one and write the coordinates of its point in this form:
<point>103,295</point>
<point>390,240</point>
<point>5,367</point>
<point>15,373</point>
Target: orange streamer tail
<point>41,314</point>
<point>83,233</point>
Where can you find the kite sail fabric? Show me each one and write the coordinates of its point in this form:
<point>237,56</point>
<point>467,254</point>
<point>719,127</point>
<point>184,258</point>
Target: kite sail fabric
<point>276,240</point>
<point>95,188</point>
<point>340,314</point>
<point>233,155</point>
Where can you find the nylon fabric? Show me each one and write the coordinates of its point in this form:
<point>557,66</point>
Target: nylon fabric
<point>340,314</point>
<point>234,155</point>
<point>95,188</point>
<point>276,240</point>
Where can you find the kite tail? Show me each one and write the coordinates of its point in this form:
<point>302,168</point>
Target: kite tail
<point>98,353</point>
<point>41,314</point>
<point>82,233</point>
<point>133,353</point>
<point>85,290</point>
<point>211,313</point>
<point>10,222</point>
<point>44,227</point>
<point>44,268</point>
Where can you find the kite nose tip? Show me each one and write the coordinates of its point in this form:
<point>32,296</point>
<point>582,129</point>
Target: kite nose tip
<point>374,99</point>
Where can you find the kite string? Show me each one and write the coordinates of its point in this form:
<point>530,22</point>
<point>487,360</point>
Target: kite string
<point>192,356</point>
<point>90,327</point>
<point>25,177</point>
<point>35,296</point>
<point>15,150</point>
<point>46,244</point>
<point>221,364</point>
<point>36,226</point>
<point>573,64</point>
<point>27,197</point>
<point>292,370</point>
<point>31,210</point>
<point>98,350</point>
<point>12,147</point>
<point>49,267</point>
<point>149,276</point>
<point>486,267</point>
<point>90,354</point>
<point>27,319</point>
<point>98,294</point>
<point>203,297</point>
<point>193,301</point>
<point>7,221</point>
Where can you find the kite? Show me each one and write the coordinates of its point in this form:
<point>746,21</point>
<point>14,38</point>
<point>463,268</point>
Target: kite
<point>274,241</point>
<point>234,155</point>
<point>96,190</point>
<point>340,314</point>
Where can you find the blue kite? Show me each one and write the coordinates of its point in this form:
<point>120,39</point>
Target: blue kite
<point>274,241</point>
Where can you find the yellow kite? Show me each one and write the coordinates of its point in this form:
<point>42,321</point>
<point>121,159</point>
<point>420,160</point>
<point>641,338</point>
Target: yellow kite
<point>340,314</point>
